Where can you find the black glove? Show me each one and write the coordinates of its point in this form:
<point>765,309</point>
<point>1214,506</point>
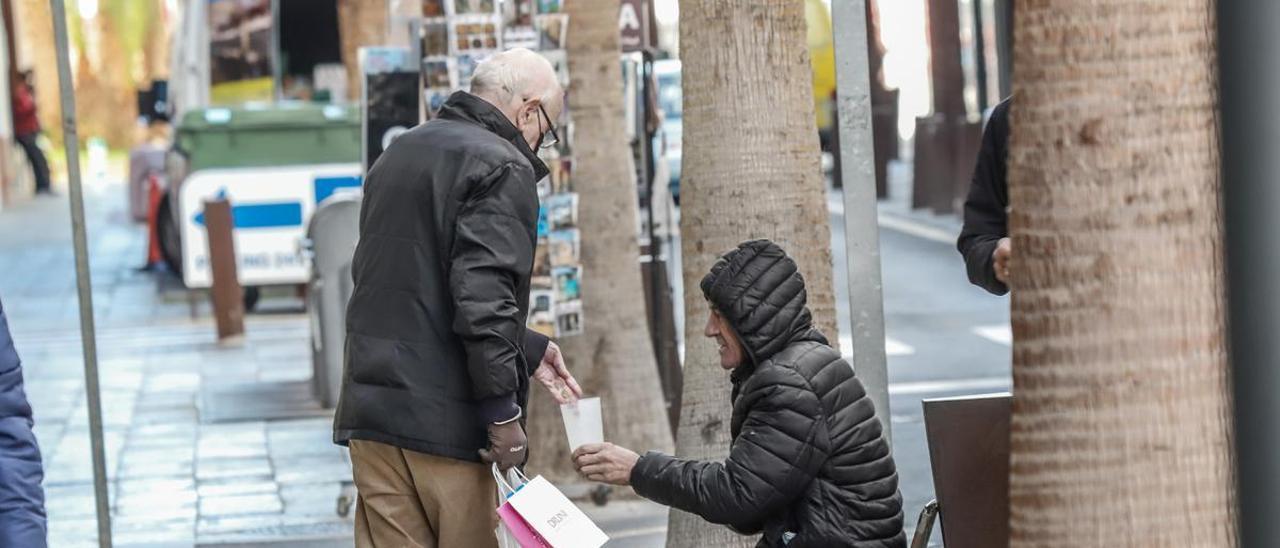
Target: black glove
<point>507,445</point>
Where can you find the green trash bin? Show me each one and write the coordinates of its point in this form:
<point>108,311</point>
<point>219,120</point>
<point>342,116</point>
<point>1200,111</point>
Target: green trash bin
<point>279,134</point>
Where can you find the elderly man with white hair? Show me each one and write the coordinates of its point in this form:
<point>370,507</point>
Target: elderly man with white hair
<point>438,359</point>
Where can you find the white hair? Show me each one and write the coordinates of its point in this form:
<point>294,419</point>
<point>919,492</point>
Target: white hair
<point>515,73</point>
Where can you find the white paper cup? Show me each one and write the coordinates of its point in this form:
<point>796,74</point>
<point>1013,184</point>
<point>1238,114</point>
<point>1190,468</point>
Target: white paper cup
<point>582,422</point>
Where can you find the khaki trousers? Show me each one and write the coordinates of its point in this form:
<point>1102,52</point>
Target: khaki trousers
<point>409,499</point>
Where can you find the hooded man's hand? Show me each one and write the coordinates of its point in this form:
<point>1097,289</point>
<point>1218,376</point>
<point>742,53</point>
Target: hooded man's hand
<point>605,463</point>
<point>507,445</point>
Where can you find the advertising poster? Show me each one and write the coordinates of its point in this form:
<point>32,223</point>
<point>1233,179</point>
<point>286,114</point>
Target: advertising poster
<point>553,31</point>
<point>517,24</point>
<point>455,36</point>
<point>474,7</point>
<point>433,8</point>
<point>241,51</point>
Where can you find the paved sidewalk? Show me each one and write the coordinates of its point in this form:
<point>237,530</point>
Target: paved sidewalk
<point>177,478</point>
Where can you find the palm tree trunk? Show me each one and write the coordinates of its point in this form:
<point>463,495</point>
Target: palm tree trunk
<point>751,169</point>
<point>1121,420</point>
<point>614,357</point>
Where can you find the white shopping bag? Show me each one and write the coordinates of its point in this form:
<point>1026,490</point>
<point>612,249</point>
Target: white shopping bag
<point>507,486</point>
<point>556,519</point>
<point>582,422</point>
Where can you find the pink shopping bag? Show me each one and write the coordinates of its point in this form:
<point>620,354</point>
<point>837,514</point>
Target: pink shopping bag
<point>519,529</point>
<point>513,531</point>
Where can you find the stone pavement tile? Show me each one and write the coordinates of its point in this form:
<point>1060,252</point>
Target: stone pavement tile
<point>136,488</point>
<point>287,349</point>
<point>311,499</point>
<point>143,432</point>
<point>232,441</point>
<point>224,468</point>
<point>50,397</point>
<point>69,501</point>
<point>168,442</point>
<point>331,524</point>
<point>146,530</point>
<point>123,371</point>
<point>237,486</point>
<point>174,460</point>
<point>163,506</point>
<point>156,470</point>
<point>221,526</point>
<point>117,410</point>
<point>251,531</point>
<point>187,416</point>
<point>162,361</point>
<point>299,427</point>
<point>309,437</point>
<point>72,458</point>
<point>312,470</point>
<point>240,505</point>
<point>255,431</point>
<point>152,405</point>
<point>283,374</point>
<point>224,448</point>
<point>73,533</point>
<point>169,383</point>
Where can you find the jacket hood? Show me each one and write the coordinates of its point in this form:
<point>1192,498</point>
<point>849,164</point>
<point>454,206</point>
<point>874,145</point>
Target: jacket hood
<point>469,108</point>
<point>760,291</point>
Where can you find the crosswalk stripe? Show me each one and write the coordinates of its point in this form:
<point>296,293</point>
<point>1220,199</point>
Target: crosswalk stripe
<point>892,347</point>
<point>958,385</point>
<point>999,334</point>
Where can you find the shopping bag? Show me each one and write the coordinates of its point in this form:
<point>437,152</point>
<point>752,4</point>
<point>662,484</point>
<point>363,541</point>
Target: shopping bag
<point>515,532</point>
<point>512,531</point>
<point>555,519</point>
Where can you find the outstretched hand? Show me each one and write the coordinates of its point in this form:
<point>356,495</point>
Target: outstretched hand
<point>605,463</point>
<point>553,374</point>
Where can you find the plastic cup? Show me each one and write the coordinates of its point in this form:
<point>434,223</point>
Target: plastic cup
<point>582,422</point>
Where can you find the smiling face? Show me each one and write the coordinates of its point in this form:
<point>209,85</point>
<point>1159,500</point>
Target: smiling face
<point>731,352</point>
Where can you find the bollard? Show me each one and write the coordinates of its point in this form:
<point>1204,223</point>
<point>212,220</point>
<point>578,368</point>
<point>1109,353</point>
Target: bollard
<point>228,299</point>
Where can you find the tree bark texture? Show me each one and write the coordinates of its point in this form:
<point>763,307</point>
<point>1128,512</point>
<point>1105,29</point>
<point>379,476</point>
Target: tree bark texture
<point>1121,430</point>
<point>360,23</point>
<point>752,169</point>
<point>614,357</point>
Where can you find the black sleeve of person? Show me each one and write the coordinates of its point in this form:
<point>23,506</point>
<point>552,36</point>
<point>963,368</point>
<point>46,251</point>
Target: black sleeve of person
<point>493,247</point>
<point>535,347</point>
<point>783,444</point>
<point>986,220</point>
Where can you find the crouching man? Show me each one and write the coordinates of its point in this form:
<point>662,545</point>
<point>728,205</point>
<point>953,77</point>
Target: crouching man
<point>809,465</point>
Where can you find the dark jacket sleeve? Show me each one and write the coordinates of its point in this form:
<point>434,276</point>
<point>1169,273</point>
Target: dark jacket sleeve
<point>782,445</point>
<point>535,346</point>
<point>22,515</point>
<point>492,249</point>
<point>985,216</point>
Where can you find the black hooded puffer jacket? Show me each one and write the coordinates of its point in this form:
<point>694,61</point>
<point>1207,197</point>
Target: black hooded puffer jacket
<point>809,466</point>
